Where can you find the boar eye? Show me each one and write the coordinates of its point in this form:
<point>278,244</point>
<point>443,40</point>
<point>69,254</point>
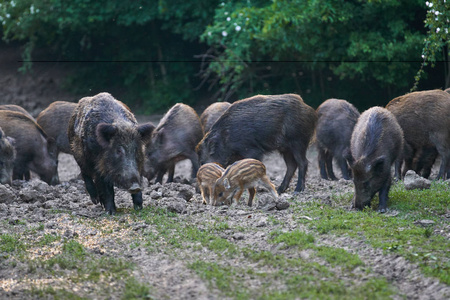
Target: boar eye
<point>120,151</point>
<point>220,194</point>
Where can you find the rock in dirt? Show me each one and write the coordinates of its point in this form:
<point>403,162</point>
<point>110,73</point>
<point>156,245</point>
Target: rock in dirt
<point>266,202</point>
<point>176,205</point>
<point>282,204</point>
<point>6,194</point>
<point>424,223</point>
<point>413,181</point>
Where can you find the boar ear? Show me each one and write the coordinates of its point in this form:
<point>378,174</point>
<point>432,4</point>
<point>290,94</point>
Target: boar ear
<point>104,132</point>
<point>145,130</point>
<point>377,164</point>
<point>226,183</point>
<point>348,156</point>
<point>11,140</point>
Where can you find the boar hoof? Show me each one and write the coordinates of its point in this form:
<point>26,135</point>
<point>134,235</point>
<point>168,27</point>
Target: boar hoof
<point>382,210</point>
<point>137,206</point>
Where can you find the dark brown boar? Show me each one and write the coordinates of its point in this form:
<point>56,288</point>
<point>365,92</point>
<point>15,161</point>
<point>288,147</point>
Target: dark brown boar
<point>336,119</point>
<point>55,121</point>
<point>425,119</point>
<point>34,150</point>
<point>261,124</point>
<point>173,140</point>
<point>376,143</point>
<point>7,156</point>
<point>17,108</point>
<point>207,176</point>
<point>108,145</point>
<point>244,174</point>
<point>212,113</point>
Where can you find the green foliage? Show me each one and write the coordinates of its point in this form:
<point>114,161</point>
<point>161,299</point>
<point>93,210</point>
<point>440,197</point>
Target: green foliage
<point>10,243</point>
<point>153,54</point>
<point>437,41</point>
<point>372,41</point>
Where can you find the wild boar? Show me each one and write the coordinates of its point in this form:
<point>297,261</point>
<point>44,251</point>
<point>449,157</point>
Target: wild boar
<point>376,143</point>
<point>212,113</point>
<point>108,145</point>
<point>239,176</point>
<point>17,108</point>
<point>425,120</point>
<point>173,140</point>
<point>54,120</point>
<point>207,176</point>
<point>336,119</point>
<point>7,156</point>
<point>252,127</point>
<point>35,151</point>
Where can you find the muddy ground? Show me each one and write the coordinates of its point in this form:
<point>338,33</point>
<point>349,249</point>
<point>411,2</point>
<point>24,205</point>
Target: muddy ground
<point>34,203</point>
<point>65,210</point>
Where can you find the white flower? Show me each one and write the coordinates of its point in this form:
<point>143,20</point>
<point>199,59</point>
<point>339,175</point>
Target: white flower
<point>429,4</point>
<point>423,56</point>
<point>224,33</point>
<point>13,4</point>
<point>238,28</point>
<point>426,3</point>
<point>222,4</point>
<point>437,30</point>
<point>209,33</point>
<point>225,13</point>
<point>228,19</point>
<point>32,9</point>
<point>8,16</point>
<point>436,13</point>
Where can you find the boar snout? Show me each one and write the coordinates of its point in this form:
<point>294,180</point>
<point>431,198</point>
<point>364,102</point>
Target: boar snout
<point>134,188</point>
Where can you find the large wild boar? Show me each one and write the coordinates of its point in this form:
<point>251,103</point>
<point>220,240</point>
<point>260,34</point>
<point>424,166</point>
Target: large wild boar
<point>7,156</point>
<point>212,113</point>
<point>34,150</point>
<point>173,140</point>
<point>55,121</point>
<point>261,124</point>
<point>108,145</point>
<point>425,119</point>
<point>376,143</point>
<point>336,119</point>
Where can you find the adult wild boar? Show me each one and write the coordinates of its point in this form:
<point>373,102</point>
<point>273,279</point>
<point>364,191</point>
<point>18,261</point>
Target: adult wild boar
<point>34,150</point>
<point>54,120</point>
<point>251,127</point>
<point>376,143</point>
<point>425,119</point>
<point>336,119</point>
<point>108,145</point>
<point>7,156</point>
<point>212,113</point>
<point>174,139</point>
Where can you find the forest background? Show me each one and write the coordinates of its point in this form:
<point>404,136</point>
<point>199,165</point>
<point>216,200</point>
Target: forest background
<point>152,54</point>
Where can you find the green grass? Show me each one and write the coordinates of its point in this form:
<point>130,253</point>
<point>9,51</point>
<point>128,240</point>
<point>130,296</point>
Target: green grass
<point>398,233</point>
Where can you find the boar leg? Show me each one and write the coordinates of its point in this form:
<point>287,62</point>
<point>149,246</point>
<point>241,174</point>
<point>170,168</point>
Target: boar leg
<point>302,163</point>
<point>291,166</point>
<point>105,191</point>
<point>342,162</point>
<point>329,165</point>
<point>137,200</point>
<point>322,163</point>
<point>160,175</point>
<point>383,195</point>
<point>171,172</point>
<point>90,187</point>
<point>193,157</point>
<point>252,192</point>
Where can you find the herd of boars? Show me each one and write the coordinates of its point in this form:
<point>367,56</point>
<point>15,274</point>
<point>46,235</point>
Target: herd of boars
<point>227,143</point>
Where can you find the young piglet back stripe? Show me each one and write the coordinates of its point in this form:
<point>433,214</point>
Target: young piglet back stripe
<point>241,175</point>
